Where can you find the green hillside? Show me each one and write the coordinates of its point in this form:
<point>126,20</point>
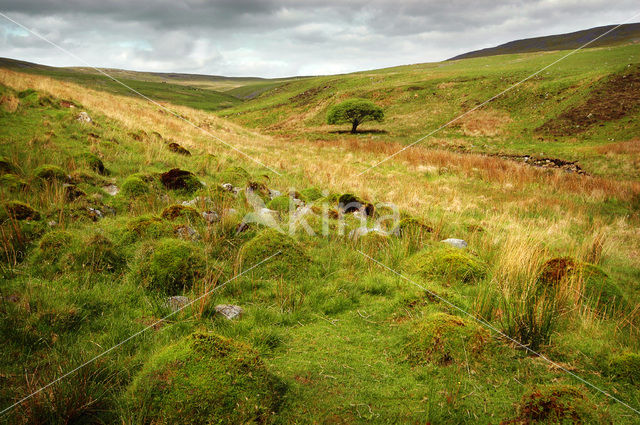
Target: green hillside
<point>607,36</point>
<point>128,237</point>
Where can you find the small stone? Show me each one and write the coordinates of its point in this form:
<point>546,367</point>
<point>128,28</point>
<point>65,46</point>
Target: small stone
<point>187,232</point>
<point>52,223</point>
<point>456,243</point>
<point>229,311</point>
<point>228,187</point>
<point>111,189</point>
<point>84,117</point>
<point>274,193</point>
<point>94,214</point>
<point>211,216</point>
<point>196,200</point>
<point>177,302</point>
<point>358,233</point>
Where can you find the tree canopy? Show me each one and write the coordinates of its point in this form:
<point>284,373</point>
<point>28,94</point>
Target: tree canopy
<point>355,112</point>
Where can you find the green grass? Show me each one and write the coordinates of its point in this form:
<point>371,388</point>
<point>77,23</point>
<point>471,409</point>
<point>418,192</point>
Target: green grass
<point>332,337</point>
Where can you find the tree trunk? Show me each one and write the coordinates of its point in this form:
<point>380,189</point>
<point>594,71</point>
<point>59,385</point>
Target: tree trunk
<point>354,125</point>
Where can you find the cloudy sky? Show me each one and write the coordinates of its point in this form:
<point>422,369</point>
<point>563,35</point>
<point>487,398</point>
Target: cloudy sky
<point>274,38</point>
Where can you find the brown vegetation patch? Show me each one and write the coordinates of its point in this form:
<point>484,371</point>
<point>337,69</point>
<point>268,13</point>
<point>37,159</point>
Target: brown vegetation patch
<point>174,147</point>
<point>486,122</point>
<point>629,147</point>
<point>611,100</point>
<point>556,270</point>
<point>9,103</point>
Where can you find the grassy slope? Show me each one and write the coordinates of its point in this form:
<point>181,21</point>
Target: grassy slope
<point>178,93</point>
<point>335,335</point>
<point>627,33</point>
<point>419,98</point>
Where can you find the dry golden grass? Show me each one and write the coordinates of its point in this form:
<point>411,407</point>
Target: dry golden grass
<point>484,122</point>
<point>629,147</point>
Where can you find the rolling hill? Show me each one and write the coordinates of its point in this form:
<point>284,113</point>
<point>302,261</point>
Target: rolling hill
<point>130,239</point>
<point>627,33</point>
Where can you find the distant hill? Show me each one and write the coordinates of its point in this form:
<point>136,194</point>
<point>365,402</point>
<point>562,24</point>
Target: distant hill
<point>628,33</point>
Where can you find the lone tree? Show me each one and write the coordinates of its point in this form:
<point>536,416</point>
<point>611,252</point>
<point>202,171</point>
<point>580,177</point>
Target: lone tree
<point>354,111</point>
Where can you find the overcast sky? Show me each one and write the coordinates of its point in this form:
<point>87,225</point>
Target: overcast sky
<point>273,38</point>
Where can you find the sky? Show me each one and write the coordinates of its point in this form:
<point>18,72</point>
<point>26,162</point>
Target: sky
<point>278,38</point>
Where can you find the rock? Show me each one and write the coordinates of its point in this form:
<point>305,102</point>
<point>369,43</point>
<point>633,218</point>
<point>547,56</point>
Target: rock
<point>187,232</point>
<point>52,223</point>
<point>242,227</point>
<point>456,243</point>
<point>274,193</point>
<point>230,188</point>
<point>84,117</point>
<point>95,214</point>
<point>229,311</point>
<point>111,189</point>
<point>210,216</point>
<point>358,233</point>
<point>196,200</point>
<point>177,302</point>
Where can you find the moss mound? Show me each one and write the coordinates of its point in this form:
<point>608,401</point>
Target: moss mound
<point>626,366</point>
<point>12,182</point>
<point>349,202</point>
<point>169,266</point>
<point>73,192</point>
<point>600,289</point>
<point>411,226</point>
<point>206,379</point>
<point>93,162</point>
<point>177,179</point>
<point>279,203</point>
<point>7,167</point>
<point>20,211</point>
<point>237,176</point>
<point>447,262</point>
<point>50,172</point>
<point>556,270</point>
<point>173,212</point>
<point>442,339</point>
<point>556,404</point>
<point>292,260</point>
<point>134,186</point>
<point>147,226</point>
<point>311,194</point>
<point>99,254</point>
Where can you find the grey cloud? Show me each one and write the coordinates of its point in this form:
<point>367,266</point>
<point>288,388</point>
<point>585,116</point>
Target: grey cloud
<point>284,37</point>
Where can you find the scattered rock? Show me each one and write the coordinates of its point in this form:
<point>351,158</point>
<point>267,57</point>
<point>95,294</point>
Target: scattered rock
<point>174,147</point>
<point>95,214</point>
<point>229,311</point>
<point>176,302</point>
<point>187,232</point>
<point>111,189</point>
<point>456,243</point>
<point>197,200</point>
<point>274,193</point>
<point>210,216</point>
<point>242,227</point>
<point>52,223</point>
<point>84,118</point>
